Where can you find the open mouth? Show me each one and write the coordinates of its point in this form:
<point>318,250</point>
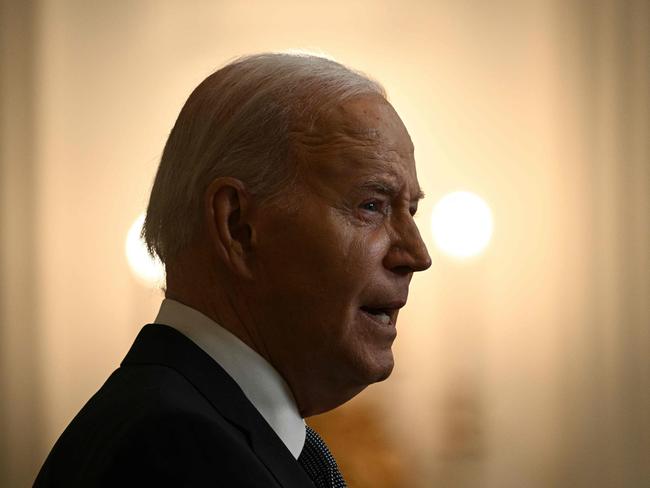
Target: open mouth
<point>381,315</point>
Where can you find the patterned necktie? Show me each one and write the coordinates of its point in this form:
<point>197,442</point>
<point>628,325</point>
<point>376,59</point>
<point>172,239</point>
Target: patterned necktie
<point>317,460</point>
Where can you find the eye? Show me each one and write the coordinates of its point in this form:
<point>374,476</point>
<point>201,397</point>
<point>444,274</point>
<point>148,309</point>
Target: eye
<point>373,206</point>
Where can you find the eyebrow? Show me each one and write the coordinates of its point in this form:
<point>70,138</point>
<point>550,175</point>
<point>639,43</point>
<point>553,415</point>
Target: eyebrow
<point>387,188</point>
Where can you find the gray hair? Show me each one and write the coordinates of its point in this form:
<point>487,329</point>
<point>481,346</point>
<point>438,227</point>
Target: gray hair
<point>241,122</point>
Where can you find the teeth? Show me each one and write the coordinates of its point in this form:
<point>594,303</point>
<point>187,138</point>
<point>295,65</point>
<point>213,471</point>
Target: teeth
<point>383,318</point>
<point>378,315</point>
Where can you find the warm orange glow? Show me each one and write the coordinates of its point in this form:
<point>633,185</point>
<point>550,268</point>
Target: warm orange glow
<point>528,368</point>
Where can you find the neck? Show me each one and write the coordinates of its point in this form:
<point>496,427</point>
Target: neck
<point>195,280</point>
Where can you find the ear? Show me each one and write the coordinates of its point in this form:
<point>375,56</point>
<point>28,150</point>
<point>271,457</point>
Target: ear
<point>228,207</point>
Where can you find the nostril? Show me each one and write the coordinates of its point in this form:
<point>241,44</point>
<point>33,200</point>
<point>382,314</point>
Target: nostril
<point>402,270</point>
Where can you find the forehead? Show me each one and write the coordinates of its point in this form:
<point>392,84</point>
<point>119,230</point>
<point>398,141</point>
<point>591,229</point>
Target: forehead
<point>361,139</point>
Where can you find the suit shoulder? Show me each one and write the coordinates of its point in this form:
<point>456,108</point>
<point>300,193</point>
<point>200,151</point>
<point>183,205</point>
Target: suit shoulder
<point>149,421</point>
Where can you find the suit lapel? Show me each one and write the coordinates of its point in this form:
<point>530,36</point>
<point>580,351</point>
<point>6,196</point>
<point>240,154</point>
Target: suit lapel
<point>160,344</point>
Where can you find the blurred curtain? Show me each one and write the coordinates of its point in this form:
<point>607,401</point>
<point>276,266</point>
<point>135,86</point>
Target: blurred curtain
<point>607,419</point>
<point>21,406</point>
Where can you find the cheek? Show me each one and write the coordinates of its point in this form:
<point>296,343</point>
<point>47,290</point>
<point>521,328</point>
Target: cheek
<point>320,261</point>
<point>367,250</point>
<point>307,256</point>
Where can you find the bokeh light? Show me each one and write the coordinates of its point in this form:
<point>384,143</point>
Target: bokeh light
<point>147,270</point>
<point>461,224</point>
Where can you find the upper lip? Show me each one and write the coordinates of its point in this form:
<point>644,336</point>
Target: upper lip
<point>392,305</point>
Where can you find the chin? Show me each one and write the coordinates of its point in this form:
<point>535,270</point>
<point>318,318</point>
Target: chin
<point>385,371</point>
<point>378,369</point>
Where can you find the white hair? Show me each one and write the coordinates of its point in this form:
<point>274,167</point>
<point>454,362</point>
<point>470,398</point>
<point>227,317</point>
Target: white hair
<point>241,122</point>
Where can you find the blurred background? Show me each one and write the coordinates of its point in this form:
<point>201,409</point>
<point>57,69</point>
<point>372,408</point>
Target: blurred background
<point>526,365</point>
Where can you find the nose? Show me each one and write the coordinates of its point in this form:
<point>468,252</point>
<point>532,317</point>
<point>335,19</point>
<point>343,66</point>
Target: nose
<point>408,252</point>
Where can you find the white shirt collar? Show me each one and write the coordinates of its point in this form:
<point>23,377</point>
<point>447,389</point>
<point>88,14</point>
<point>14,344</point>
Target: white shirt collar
<point>260,382</point>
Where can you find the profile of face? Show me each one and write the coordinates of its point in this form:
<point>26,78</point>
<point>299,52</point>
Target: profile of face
<point>332,271</point>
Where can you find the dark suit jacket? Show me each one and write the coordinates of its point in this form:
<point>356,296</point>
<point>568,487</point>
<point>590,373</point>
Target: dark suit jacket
<point>170,416</point>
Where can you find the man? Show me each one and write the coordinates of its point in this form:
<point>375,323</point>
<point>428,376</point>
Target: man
<point>283,212</point>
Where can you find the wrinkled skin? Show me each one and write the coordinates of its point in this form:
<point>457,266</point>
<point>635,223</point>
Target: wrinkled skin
<point>345,238</point>
<point>347,245</point>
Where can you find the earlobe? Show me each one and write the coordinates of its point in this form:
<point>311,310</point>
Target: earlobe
<point>227,208</point>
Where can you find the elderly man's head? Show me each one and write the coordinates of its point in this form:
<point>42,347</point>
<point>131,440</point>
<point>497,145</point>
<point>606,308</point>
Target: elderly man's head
<point>283,209</point>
